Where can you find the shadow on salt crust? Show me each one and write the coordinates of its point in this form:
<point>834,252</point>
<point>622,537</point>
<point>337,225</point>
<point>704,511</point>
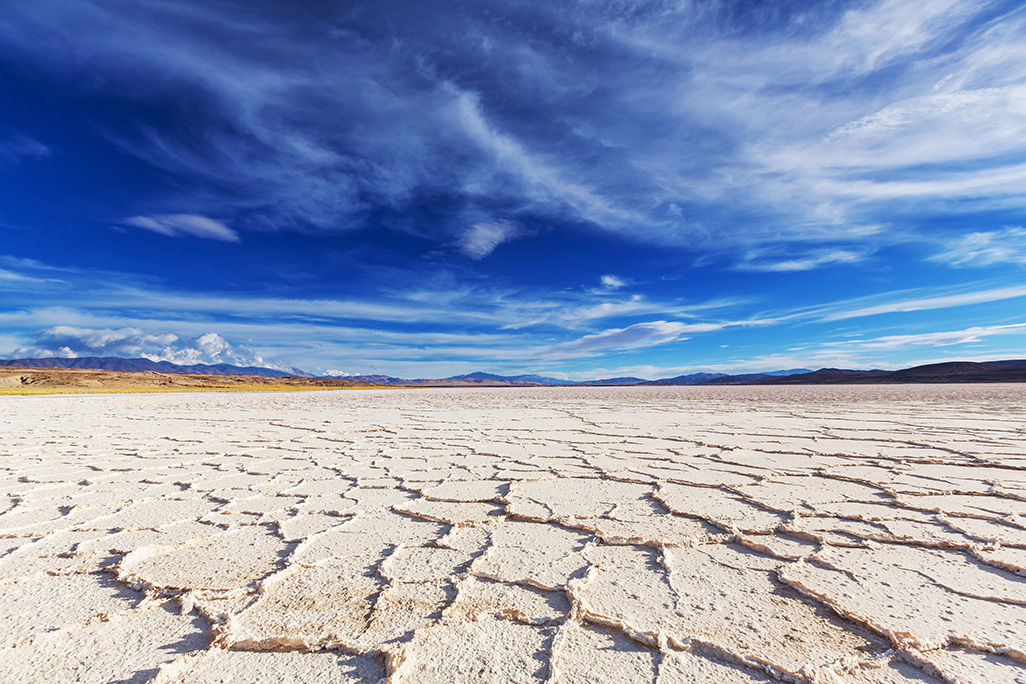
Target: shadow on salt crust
<point>42,603</point>
<point>230,560</point>
<point>289,667</point>
<point>595,655</point>
<point>128,648</point>
<point>959,664</point>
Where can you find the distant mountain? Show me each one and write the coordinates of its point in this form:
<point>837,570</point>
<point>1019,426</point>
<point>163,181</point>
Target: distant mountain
<point>956,371</point>
<point>374,379</point>
<point>962,371</point>
<point>1017,362</point>
<point>477,376</point>
<point>615,381</point>
<point>517,379</point>
<point>825,376</point>
<point>542,379</point>
<point>113,363</point>
<point>692,379</point>
<point>950,371</point>
<point>741,379</point>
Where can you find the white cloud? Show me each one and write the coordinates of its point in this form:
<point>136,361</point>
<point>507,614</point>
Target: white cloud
<point>922,101</point>
<point>544,182</point>
<point>984,248</point>
<point>805,263</point>
<point>427,302</point>
<point>16,281</point>
<point>482,238</point>
<point>132,342</point>
<point>8,343</point>
<point>177,225</point>
<point>612,282</point>
<point>14,150</point>
<point>933,339</point>
<point>879,34</point>
<point>635,336</point>
<point>813,120</point>
<point>929,303</point>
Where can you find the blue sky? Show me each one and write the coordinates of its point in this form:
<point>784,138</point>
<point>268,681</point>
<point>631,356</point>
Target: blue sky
<point>583,189</point>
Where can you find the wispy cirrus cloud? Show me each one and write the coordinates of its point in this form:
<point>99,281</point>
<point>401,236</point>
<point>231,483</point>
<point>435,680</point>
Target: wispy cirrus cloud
<point>984,248</point>
<point>803,262</point>
<point>932,339</point>
<point>177,225</point>
<point>898,304</point>
<point>21,147</point>
<point>779,125</point>
<point>634,336</point>
<point>481,239</point>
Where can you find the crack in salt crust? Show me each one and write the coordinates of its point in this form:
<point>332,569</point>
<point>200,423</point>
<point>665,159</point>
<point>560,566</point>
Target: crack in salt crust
<point>862,535</point>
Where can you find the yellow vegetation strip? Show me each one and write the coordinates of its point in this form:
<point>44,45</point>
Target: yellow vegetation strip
<point>6,391</point>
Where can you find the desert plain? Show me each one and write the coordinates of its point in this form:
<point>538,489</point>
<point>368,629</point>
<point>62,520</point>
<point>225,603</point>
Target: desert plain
<point>722,535</point>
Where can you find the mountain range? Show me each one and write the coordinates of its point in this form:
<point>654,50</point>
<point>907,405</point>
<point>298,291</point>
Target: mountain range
<point>953,371</point>
<point>114,363</point>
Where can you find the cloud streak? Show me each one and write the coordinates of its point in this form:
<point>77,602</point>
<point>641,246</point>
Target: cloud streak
<point>14,150</point>
<point>932,339</point>
<point>420,121</point>
<point>806,262</point>
<point>618,339</point>
<point>178,225</point>
<point>929,303</point>
<point>985,248</point>
<point>481,239</point>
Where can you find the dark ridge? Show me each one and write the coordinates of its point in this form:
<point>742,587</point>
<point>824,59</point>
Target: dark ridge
<point>950,371</point>
<point>742,379</point>
<point>692,379</point>
<point>525,378</point>
<point>374,379</point>
<point>825,376</point>
<point>615,381</point>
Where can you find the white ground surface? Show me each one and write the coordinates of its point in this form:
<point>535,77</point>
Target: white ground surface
<point>664,535</point>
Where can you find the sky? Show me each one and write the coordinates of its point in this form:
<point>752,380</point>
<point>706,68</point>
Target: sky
<point>579,189</point>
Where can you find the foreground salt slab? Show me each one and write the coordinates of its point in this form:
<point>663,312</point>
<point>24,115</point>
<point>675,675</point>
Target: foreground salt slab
<point>860,535</point>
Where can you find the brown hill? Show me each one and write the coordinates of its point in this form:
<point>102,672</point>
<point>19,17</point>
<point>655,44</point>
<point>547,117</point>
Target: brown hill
<point>21,380</point>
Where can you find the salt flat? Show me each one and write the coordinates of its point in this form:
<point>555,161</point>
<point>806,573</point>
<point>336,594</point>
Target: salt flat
<point>724,535</point>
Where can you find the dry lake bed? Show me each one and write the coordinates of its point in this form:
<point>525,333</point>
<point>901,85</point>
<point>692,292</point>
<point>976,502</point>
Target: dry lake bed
<point>660,534</point>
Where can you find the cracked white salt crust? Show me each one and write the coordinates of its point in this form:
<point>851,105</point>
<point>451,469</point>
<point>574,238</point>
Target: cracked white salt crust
<point>597,655</point>
<point>128,647</point>
<point>860,535</point>
<point>488,651</point>
<point>965,665</point>
<point>42,603</point>
<point>227,561</point>
<point>218,666</point>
